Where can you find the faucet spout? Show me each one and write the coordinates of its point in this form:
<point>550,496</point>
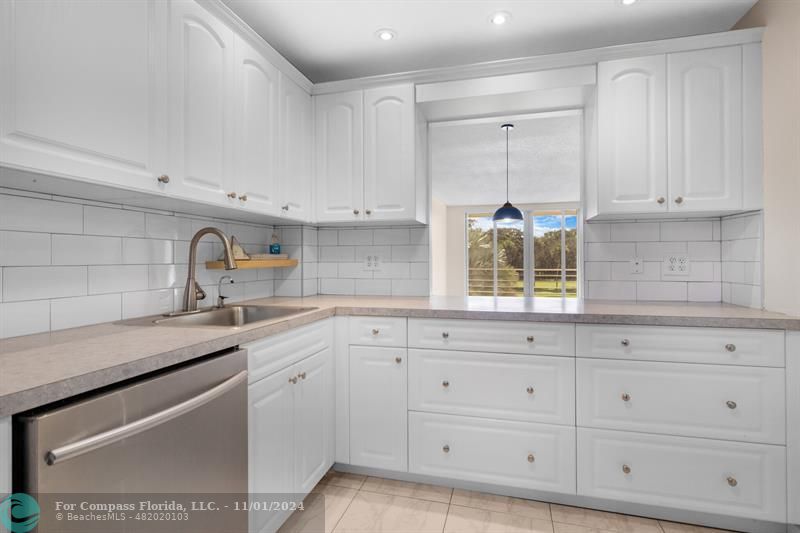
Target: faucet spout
<point>193,292</point>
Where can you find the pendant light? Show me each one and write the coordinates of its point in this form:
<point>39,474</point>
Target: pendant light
<point>508,212</point>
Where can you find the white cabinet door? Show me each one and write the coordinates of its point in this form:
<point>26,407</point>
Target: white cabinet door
<point>81,90</point>
<point>632,113</point>
<point>296,144</point>
<point>389,161</point>
<point>271,442</point>
<point>312,409</point>
<point>256,146</point>
<point>339,156</point>
<point>378,407</point>
<point>705,129</point>
<point>201,107</point>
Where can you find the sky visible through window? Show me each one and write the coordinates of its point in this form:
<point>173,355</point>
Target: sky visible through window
<point>544,223</point>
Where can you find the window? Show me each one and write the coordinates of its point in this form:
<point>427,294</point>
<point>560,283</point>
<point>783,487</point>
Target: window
<point>502,262</point>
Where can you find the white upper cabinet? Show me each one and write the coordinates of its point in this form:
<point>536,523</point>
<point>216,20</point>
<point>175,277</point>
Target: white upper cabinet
<point>201,107</point>
<point>389,160</point>
<point>256,137</point>
<point>296,142</point>
<point>632,135</point>
<point>705,129</point>
<point>339,140</point>
<point>81,94</point>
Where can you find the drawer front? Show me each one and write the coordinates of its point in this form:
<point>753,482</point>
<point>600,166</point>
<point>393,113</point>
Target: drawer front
<point>728,478</point>
<point>720,402</point>
<point>515,387</point>
<point>270,354</point>
<point>513,454</point>
<point>678,344</point>
<point>377,331</point>
<point>492,336</point>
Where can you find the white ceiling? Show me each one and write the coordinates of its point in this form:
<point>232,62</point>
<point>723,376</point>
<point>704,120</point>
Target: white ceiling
<point>335,39</point>
<point>468,160</point>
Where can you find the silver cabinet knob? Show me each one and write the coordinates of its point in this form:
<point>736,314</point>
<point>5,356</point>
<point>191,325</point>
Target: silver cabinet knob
<point>625,342</point>
<point>731,404</point>
<point>626,469</point>
<point>661,199</point>
<point>243,197</point>
<point>446,448</point>
<point>285,207</point>
<point>232,194</point>
<point>730,347</point>
<point>356,211</point>
<point>445,335</point>
<point>445,384</point>
<point>163,179</point>
<point>732,481</point>
<point>626,397</point>
<point>293,380</point>
<point>531,338</point>
<point>301,375</point>
<point>375,331</point>
<point>398,360</point>
<point>531,458</point>
<point>368,211</point>
<point>530,390</point>
<point>679,200</point>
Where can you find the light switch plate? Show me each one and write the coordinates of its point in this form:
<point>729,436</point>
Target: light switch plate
<point>675,265</point>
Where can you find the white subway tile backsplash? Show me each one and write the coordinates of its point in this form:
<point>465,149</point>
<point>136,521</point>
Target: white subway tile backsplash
<point>328,270</point>
<point>662,291</point>
<point>147,303</point>
<point>658,251</point>
<point>596,232</point>
<point>259,289</point>
<point>291,235</point>
<point>24,318</point>
<point>410,253</point>
<point>354,270</point>
<point>704,251</point>
<point>364,252</point>
<point>741,250</point>
<point>21,248</point>
<point>418,235</point>
<point>117,278</point>
<point>86,250</point>
<point>410,287</point>
<point>337,286</point>
<point>114,222</point>
<point>745,295</point>
<point>38,283</point>
<point>702,271</point>
<point>701,230</point>
<point>641,231</point>
<point>167,227</point>
<point>373,287</point>
<point>146,251</point>
<point>167,276</point>
<point>355,237</point>
<point>622,272</point>
<point>328,237</point>
<point>705,292</point>
<point>18,213</point>
<point>597,270</point>
<point>288,287</point>
<point>419,270</point>
<point>83,311</point>
<point>617,251</point>
<point>611,290</point>
<point>391,236</point>
<point>394,271</point>
<point>337,253</point>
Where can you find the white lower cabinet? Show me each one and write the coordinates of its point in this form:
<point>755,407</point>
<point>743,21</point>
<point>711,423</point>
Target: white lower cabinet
<point>726,478</point>
<point>500,452</point>
<point>378,407</point>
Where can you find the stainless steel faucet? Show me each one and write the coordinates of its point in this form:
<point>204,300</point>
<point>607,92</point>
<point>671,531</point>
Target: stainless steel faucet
<point>193,292</point>
<point>220,298</point>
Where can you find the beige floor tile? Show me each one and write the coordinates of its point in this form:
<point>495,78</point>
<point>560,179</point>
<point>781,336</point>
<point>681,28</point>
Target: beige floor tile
<point>343,479</point>
<point>394,487</point>
<point>673,527</point>
<point>471,520</point>
<point>603,521</point>
<point>322,510</point>
<point>572,528</point>
<point>501,504</point>
<point>381,513</point>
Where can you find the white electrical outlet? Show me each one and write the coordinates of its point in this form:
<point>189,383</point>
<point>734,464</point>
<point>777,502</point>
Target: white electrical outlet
<point>675,265</point>
<point>637,266</point>
<point>372,263</point>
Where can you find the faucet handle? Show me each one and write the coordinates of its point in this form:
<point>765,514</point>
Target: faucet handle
<point>200,294</point>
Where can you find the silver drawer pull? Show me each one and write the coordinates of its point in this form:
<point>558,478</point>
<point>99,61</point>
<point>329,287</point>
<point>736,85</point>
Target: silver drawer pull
<point>143,424</point>
<point>398,360</point>
<point>732,481</point>
<point>375,331</point>
<point>445,384</point>
<point>530,390</point>
<point>445,335</point>
<point>301,375</point>
<point>626,342</point>
<point>626,469</point>
<point>531,338</point>
<point>731,404</point>
<point>626,397</point>
<point>163,179</point>
<point>730,347</point>
<point>531,458</point>
<point>293,380</point>
<point>446,448</point>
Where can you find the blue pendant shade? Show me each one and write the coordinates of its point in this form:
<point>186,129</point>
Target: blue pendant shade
<point>508,212</point>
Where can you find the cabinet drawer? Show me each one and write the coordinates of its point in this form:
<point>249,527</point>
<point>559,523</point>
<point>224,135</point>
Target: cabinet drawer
<point>690,345</point>
<point>728,478</point>
<point>513,454</point>
<point>492,336</point>
<point>516,387</point>
<point>721,402</point>
<point>377,331</point>
<point>270,354</point>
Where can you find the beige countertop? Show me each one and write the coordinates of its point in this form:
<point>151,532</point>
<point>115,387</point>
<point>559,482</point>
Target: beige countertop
<point>40,369</point>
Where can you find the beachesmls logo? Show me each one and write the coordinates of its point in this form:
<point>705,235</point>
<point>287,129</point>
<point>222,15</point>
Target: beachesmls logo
<point>19,513</point>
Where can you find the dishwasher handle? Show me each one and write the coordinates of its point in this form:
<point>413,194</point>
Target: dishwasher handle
<point>111,436</point>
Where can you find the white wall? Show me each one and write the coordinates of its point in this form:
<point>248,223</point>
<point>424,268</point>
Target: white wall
<point>781,87</point>
<point>438,237</point>
<point>741,260</point>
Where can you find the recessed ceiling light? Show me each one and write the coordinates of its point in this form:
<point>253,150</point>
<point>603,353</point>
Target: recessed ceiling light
<point>627,2</point>
<point>500,18</point>
<point>385,34</point>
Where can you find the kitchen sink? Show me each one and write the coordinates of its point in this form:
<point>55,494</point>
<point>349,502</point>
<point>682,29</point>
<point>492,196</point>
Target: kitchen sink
<point>233,316</point>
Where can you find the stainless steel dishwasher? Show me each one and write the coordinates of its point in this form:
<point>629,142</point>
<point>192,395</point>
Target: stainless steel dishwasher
<point>182,431</point>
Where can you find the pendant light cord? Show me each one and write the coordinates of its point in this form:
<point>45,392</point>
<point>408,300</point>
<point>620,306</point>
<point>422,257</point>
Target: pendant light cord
<point>507,164</point>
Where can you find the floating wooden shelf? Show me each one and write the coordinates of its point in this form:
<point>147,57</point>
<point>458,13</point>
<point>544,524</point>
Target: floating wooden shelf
<point>253,263</point>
